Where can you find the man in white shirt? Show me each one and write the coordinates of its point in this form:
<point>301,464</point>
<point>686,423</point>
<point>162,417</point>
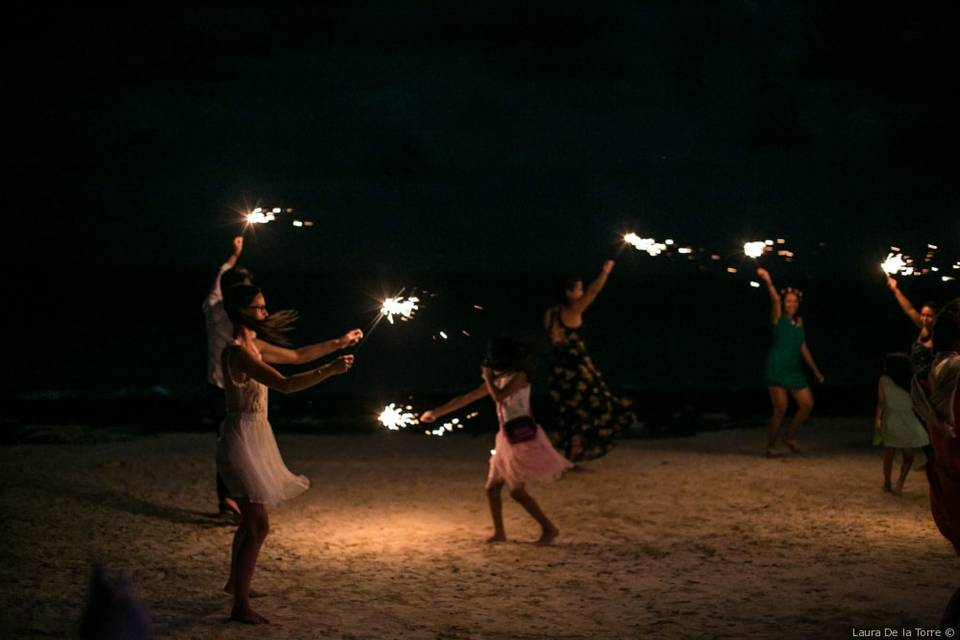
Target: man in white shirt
<point>219,333</point>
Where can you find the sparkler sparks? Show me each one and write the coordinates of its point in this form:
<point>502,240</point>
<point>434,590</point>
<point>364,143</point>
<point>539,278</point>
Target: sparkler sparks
<point>445,428</point>
<point>755,249</point>
<point>395,418</point>
<point>259,216</point>
<point>649,245</point>
<point>896,263</point>
<point>399,306</point>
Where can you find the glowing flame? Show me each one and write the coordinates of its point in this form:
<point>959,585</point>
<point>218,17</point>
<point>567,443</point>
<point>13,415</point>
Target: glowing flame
<point>649,245</point>
<point>395,418</point>
<point>259,215</point>
<point>896,264</point>
<point>754,249</point>
<point>399,306</point>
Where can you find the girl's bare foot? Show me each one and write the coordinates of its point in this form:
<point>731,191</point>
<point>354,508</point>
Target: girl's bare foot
<point>771,452</point>
<point>548,536</point>
<point>887,488</point>
<point>247,615</point>
<point>898,489</point>
<point>793,446</point>
<point>229,505</point>
<point>497,537</point>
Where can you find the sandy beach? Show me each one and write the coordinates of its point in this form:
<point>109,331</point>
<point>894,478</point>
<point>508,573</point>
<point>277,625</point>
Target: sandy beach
<point>698,537</point>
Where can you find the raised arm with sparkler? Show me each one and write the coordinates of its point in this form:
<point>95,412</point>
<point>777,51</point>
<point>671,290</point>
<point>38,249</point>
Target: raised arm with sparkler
<point>281,355</point>
<point>590,294</point>
<point>576,299</point>
<point>216,294</point>
<point>776,305</point>
<point>921,352</point>
<point>904,303</point>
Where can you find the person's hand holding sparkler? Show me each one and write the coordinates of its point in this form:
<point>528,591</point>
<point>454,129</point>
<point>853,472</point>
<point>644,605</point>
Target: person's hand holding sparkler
<point>764,275</point>
<point>339,366</point>
<point>238,246</point>
<point>892,283</point>
<point>486,373</point>
<point>428,417</point>
<point>350,338</point>
<point>608,267</point>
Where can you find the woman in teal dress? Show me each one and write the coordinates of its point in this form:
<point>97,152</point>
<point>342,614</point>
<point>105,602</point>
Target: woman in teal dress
<point>783,370</point>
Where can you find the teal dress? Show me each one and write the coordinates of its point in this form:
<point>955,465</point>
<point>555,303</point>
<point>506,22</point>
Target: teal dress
<point>784,367</point>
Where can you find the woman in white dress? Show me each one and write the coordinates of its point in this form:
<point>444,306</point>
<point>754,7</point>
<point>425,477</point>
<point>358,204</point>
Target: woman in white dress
<point>248,459</point>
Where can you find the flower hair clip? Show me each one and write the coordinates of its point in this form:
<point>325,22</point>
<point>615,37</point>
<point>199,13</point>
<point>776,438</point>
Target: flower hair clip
<point>788,290</point>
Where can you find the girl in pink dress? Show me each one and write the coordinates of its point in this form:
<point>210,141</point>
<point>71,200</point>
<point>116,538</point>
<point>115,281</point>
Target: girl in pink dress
<point>523,452</point>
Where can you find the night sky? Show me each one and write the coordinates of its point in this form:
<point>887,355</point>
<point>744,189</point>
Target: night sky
<point>505,137</point>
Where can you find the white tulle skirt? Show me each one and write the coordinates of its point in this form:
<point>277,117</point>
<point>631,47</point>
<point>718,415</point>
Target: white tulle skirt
<point>249,461</point>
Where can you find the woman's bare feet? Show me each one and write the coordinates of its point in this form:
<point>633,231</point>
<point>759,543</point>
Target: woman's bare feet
<point>548,536</point>
<point>497,537</point>
<point>898,488</point>
<point>793,446</point>
<point>887,488</point>
<point>247,615</point>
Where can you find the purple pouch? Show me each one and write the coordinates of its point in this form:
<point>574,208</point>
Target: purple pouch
<point>520,429</point>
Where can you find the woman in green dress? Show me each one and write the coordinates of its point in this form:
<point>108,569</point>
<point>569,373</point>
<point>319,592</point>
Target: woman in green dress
<point>590,417</point>
<point>783,370</point>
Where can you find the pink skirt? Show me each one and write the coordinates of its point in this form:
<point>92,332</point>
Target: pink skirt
<point>532,461</point>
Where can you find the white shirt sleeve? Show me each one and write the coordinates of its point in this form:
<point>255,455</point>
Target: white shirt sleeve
<point>216,295</point>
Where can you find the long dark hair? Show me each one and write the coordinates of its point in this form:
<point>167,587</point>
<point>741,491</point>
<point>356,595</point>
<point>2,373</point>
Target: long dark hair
<point>899,368</point>
<point>508,354</point>
<point>946,330</point>
<point>233,277</point>
<point>274,329</point>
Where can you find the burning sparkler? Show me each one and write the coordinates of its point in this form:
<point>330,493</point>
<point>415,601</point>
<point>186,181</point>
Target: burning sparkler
<point>399,306</point>
<point>896,263</point>
<point>755,249</point>
<point>395,418</point>
<point>649,245</point>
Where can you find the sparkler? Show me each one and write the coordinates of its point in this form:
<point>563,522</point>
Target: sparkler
<point>896,263</point>
<point>755,249</point>
<point>399,306</point>
<point>649,245</point>
<point>266,215</point>
<point>395,418</point>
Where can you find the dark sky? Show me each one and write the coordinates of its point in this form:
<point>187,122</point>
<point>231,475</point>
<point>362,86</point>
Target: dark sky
<point>504,136</point>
